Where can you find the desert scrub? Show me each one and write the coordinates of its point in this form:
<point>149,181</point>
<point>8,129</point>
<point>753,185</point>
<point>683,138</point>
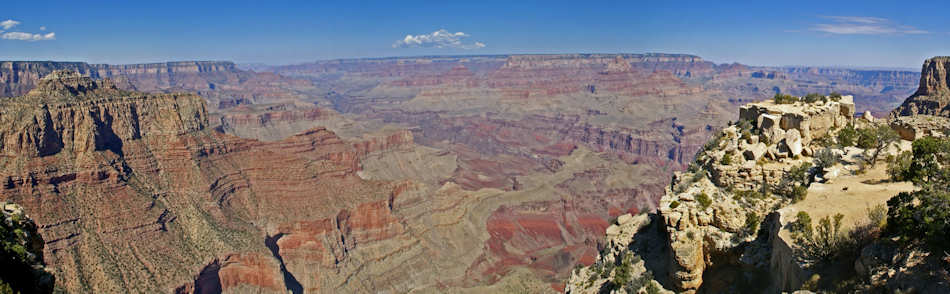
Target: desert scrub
<point>703,200</point>
<point>847,136</point>
<point>875,140</point>
<point>826,158</point>
<point>726,159</point>
<point>752,221</point>
<point>898,167</point>
<point>835,96</point>
<point>784,99</point>
<point>813,97</point>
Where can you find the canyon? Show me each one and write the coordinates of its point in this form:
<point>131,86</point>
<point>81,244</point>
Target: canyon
<point>738,220</point>
<point>430,174</point>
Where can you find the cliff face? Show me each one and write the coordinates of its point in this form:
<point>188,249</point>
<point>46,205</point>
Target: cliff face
<point>220,82</point>
<point>73,114</point>
<point>933,95</point>
<point>518,161</point>
<point>135,184</point>
<point>712,229</point>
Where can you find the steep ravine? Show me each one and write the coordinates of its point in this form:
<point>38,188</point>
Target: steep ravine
<point>293,286</point>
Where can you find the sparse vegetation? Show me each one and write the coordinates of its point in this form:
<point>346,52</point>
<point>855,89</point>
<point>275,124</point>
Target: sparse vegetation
<point>847,136</point>
<point>825,141</point>
<point>924,215</point>
<point>826,158</point>
<point>835,96</point>
<point>794,184</point>
<point>875,140</point>
<point>752,221</point>
<point>819,243</point>
<point>784,98</point>
<point>813,97</point>
<point>750,194</point>
<point>877,216</point>
<point>17,271</point>
<point>703,200</point>
<point>898,167</point>
<point>726,159</point>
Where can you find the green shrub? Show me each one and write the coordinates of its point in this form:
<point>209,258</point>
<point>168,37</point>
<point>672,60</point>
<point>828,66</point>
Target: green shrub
<point>746,135</point>
<point>825,141</point>
<point>800,174</point>
<point>920,215</point>
<point>752,194</point>
<point>825,158</point>
<point>825,241</point>
<point>674,204</point>
<point>798,193</point>
<point>876,139</point>
<point>835,96</point>
<point>744,125</point>
<point>704,200</point>
<point>752,221</point>
<point>784,99</point>
<point>726,159</point>
<point>801,225</point>
<point>812,98</point>
<point>898,167</point>
<point>847,136</point>
<point>877,216</point>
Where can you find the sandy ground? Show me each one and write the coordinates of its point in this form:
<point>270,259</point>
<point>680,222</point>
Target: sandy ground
<point>851,195</point>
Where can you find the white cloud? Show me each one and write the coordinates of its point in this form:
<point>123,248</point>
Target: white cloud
<point>438,39</point>
<point>8,24</point>
<point>27,36</point>
<point>23,36</point>
<point>864,25</point>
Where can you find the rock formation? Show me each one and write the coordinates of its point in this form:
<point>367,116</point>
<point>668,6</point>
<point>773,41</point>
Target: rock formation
<point>714,220</point>
<point>933,94</point>
<point>21,253</point>
<point>219,82</point>
<point>527,155</point>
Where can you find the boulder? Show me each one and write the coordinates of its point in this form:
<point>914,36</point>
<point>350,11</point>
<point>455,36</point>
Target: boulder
<point>830,173</point>
<point>754,151</point>
<point>846,106</point>
<point>767,121</point>
<point>793,141</point>
<point>867,116</point>
<point>731,132</point>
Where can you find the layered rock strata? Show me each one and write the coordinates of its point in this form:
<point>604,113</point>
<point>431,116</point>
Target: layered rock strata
<point>714,223</point>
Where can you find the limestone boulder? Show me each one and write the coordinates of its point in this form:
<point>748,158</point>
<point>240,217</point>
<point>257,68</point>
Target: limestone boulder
<point>793,142</point>
<point>830,173</point>
<point>754,151</point>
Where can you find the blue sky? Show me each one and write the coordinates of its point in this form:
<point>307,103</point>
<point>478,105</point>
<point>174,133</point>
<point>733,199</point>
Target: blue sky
<point>827,33</point>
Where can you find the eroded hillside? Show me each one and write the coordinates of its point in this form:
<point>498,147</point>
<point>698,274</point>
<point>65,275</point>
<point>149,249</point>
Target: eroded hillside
<point>521,159</point>
<point>797,195</point>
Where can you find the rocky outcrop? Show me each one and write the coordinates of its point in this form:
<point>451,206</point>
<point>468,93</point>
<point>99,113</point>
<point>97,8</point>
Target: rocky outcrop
<point>218,81</point>
<point>713,220</point>
<point>275,122</point>
<point>933,94</point>
<point>21,253</point>
<point>809,120</point>
<point>918,126</point>
<point>73,114</point>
